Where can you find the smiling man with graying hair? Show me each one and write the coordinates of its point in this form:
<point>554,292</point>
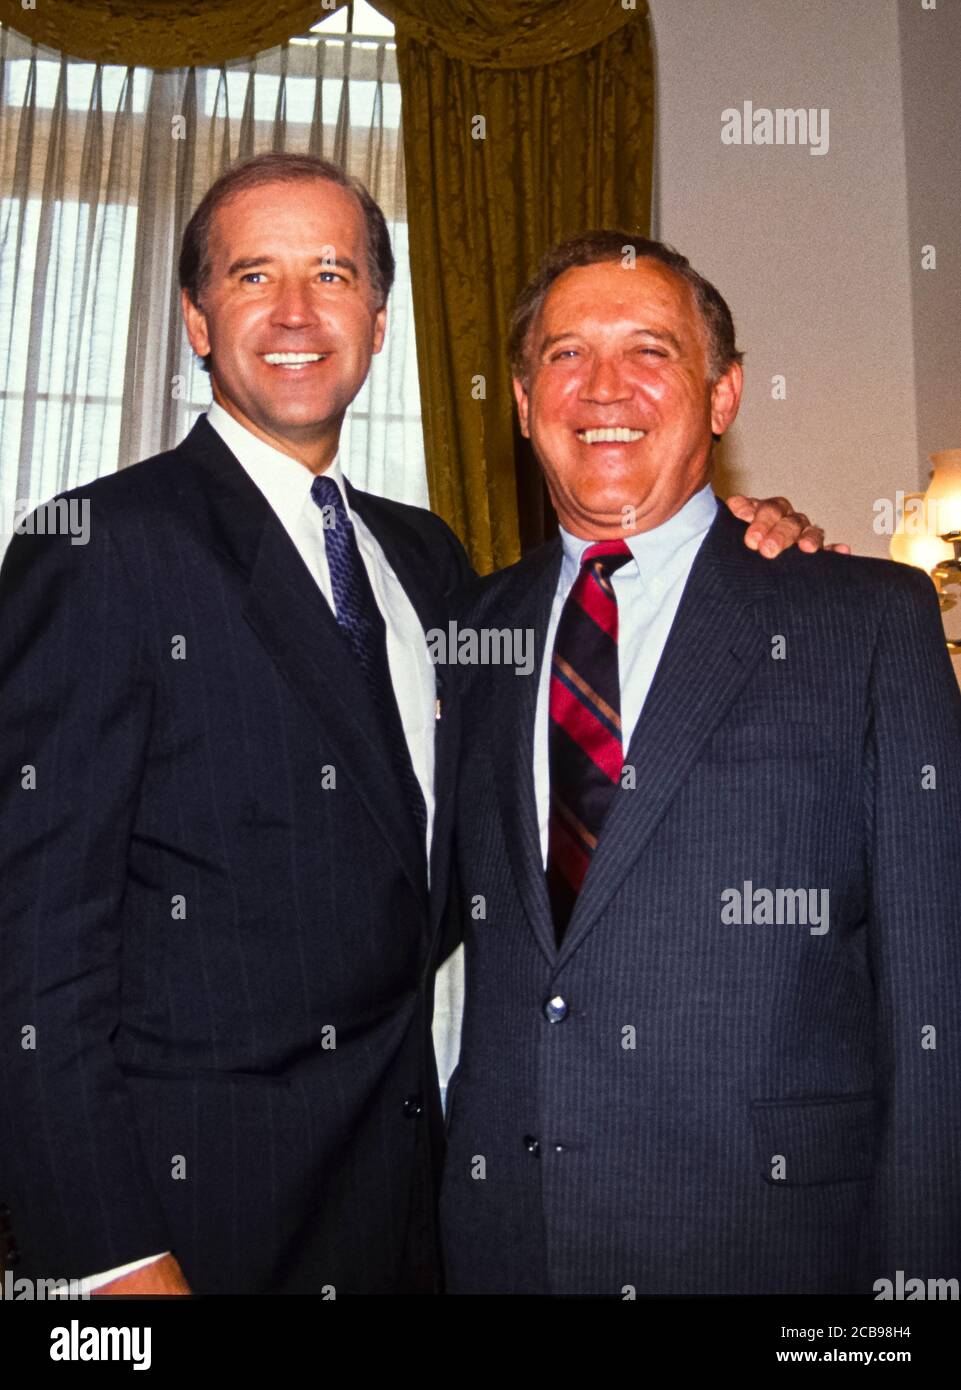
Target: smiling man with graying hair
<point>669,1085</point>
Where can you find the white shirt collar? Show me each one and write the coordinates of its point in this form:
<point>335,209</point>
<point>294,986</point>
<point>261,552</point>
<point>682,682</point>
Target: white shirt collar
<point>655,550</point>
<point>283,481</point>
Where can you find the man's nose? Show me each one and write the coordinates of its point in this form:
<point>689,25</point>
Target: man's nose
<point>294,306</point>
<point>604,382</point>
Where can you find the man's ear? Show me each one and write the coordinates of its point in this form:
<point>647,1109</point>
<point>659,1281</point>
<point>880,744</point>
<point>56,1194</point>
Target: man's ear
<point>725,398</point>
<point>380,328</point>
<point>195,322</point>
<point>523,405</point>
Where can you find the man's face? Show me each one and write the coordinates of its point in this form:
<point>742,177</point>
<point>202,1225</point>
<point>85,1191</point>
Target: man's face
<point>622,350</point>
<point>288,274</point>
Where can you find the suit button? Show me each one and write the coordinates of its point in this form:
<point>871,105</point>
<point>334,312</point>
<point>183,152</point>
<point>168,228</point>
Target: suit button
<point>413,1107</point>
<point>555,1010</point>
<point>11,1256</point>
<point>532,1145</point>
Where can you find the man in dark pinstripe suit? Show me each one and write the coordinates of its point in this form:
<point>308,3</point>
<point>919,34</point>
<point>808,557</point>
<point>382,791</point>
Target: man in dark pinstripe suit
<point>220,735</point>
<point>712,1034</point>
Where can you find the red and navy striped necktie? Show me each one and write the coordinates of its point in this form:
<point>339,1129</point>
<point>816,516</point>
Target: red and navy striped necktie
<point>584,740</point>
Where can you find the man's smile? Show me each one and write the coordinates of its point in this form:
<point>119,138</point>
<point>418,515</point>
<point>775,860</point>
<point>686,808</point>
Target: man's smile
<point>610,434</point>
<point>293,361</point>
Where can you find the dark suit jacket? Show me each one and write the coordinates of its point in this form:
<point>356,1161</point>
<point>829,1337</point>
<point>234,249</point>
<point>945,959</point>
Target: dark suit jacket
<point>226,959</point>
<point>723,1109</point>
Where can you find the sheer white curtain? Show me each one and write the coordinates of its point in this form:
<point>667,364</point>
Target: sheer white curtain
<point>101,167</point>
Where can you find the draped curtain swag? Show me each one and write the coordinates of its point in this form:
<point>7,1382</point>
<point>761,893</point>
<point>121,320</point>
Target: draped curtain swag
<point>163,33</point>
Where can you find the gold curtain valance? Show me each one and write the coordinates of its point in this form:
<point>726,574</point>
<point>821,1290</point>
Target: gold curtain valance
<point>510,33</point>
<point>163,33</point>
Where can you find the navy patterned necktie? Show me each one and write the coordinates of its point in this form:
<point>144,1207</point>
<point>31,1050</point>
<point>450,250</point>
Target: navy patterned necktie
<point>362,624</point>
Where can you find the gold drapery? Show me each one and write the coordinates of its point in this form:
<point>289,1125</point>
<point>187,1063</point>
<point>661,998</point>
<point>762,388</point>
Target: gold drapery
<point>510,33</point>
<point>164,33</point>
<point>524,121</point>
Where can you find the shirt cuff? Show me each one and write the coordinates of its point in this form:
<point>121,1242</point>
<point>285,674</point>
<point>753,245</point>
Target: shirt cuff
<point>97,1281</point>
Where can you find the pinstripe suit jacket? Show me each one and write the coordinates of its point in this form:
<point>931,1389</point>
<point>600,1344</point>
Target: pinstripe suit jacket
<point>724,1108</point>
<point>226,957</point>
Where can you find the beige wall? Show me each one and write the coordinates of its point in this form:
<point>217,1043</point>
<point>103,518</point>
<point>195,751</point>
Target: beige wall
<point>817,254</point>
<point>931,93</point>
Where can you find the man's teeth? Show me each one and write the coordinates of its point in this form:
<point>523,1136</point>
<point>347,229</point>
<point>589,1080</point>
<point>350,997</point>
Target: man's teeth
<point>293,359</point>
<point>617,435</point>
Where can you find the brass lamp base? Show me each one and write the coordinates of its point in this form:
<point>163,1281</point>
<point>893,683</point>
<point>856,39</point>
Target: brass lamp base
<point>948,574</point>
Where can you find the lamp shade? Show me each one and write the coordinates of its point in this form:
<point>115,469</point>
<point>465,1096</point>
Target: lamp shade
<point>943,497</point>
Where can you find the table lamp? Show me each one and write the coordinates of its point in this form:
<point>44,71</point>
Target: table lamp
<point>937,546</point>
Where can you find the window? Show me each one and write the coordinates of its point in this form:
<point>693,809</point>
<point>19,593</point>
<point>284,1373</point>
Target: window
<point>101,169</point>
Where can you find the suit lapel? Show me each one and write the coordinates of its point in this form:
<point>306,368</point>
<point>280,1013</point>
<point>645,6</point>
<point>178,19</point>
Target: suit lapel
<point>525,603</point>
<point>713,646</point>
<point>412,563</point>
<point>295,624</point>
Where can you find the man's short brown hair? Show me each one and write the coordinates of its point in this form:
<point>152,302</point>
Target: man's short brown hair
<point>279,167</point>
<point>606,244</point>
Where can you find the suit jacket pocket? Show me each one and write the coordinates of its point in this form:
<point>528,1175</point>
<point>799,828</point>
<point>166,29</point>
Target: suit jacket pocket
<point>187,1075</point>
<point>777,739</point>
<point>801,1143</point>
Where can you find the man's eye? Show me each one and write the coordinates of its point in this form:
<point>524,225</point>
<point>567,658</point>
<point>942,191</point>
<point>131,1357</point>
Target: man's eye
<point>651,352</point>
<point>253,275</point>
<point>564,352</point>
<point>330,276</point>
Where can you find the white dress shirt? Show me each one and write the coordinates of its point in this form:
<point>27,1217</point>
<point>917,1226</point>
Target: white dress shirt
<point>648,591</point>
<point>285,484</point>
